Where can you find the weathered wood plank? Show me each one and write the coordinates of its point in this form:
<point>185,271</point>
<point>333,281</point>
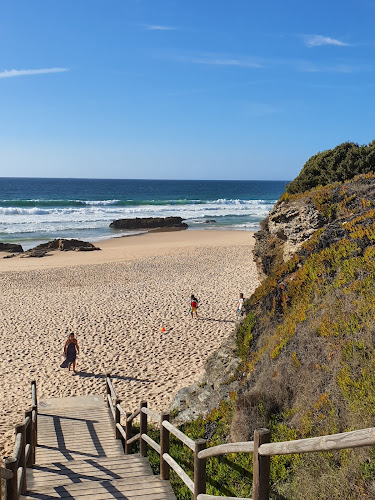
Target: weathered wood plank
<point>352,439</point>
<point>222,449</point>
<point>179,471</point>
<point>180,435</point>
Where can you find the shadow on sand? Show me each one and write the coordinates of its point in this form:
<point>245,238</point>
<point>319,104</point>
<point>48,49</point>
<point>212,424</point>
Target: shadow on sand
<point>113,376</point>
<point>217,320</point>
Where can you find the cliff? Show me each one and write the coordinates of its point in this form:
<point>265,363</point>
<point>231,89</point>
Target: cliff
<point>303,360</point>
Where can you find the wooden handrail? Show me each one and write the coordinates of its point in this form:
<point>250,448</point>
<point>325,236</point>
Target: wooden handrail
<point>20,479</point>
<point>111,388</point>
<point>260,447</point>
<point>223,449</point>
<point>121,409</point>
<point>180,435</point>
<point>179,471</point>
<point>151,413</point>
<point>134,438</point>
<point>121,431</point>
<point>23,452</point>
<point>133,415</point>
<point>17,447</point>
<point>151,442</point>
<point>27,452</point>
<point>352,439</point>
<point>110,404</point>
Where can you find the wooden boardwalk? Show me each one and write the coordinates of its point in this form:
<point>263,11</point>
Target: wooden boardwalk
<point>78,457</point>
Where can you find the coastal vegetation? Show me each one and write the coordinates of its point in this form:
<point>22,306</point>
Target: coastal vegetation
<point>307,345</point>
<point>334,165</point>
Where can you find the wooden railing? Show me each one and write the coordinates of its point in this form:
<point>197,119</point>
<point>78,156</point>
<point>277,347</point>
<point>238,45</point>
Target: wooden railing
<point>24,452</point>
<point>261,447</point>
<point>166,428</point>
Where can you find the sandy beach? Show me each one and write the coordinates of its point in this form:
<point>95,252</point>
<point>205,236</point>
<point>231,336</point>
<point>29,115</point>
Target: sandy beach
<point>117,300</point>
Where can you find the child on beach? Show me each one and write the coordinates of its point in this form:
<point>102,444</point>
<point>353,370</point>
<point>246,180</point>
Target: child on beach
<point>193,306</point>
<point>240,304</point>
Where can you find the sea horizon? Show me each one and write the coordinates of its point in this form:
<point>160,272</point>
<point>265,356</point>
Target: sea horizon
<point>34,210</point>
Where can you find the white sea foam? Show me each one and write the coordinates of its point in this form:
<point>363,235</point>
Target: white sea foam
<point>98,215</point>
<point>98,202</point>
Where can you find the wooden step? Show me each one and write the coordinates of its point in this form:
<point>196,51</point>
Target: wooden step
<point>137,489</point>
<point>78,457</point>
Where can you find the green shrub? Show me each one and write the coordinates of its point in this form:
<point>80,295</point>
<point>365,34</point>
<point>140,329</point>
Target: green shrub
<point>334,165</point>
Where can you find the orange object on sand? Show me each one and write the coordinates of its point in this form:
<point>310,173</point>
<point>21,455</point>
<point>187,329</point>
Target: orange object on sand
<point>163,329</point>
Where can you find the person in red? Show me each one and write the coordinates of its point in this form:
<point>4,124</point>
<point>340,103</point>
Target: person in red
<point>193,306</point>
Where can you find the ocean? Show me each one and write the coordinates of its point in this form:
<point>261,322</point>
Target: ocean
<point>34,210</point>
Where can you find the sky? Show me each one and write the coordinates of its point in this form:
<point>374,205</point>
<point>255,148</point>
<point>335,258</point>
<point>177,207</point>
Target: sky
<point>183,89</point>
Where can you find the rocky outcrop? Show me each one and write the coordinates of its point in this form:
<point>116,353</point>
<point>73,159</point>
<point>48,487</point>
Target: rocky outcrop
<point>11,248</point>
<point>149,223</point>
<point>66,245</point>
<point>35,252</point>
<point>294,219</point>
<point>214,385</point>
<point>282,233</point>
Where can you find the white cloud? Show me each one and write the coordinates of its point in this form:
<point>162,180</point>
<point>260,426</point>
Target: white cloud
<point>219,60</point>
<point>309,67</point>
<point>157,27</point>
<point>241,63</point>
<point>318,40</point>
<point>24,72</point>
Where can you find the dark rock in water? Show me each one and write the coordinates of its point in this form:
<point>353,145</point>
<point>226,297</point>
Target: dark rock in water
<point>210,221</point>
<point>10,247</point>
<point>66,245</point>
<point>149,223</point>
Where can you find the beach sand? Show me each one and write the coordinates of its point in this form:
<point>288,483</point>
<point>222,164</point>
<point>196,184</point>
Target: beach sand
<point>117,300</point>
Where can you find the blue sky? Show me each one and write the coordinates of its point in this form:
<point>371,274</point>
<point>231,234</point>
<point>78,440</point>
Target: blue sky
<point>201,89</point>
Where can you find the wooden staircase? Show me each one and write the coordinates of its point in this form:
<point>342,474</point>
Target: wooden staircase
<point>78,457</point>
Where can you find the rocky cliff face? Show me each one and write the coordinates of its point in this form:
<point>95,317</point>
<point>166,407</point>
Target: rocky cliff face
<point>218,380</point>
<point>284,231</point>
<point>305,354</point>
<point>295,218</point>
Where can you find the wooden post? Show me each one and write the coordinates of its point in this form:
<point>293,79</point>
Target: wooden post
<point>35,428</point>
<point>34,401</point>
<point>128,431</point>
<point>21,429</point>
<point>117,418</point>
<point>143,430</point>
<point>261,468</point>
<point>108,391</point>
<point>164,447</point>
<point>11,484</point>
<point>199,469</point>
<point>30,437</point>
<point>34,398</point>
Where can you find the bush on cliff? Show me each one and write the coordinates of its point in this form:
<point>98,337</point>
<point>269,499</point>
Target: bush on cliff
<point>334,165</point>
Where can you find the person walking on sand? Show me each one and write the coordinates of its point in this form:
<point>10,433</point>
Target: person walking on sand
<point>71,349</point>
<point>193,306</point>
<point>240,305</point>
